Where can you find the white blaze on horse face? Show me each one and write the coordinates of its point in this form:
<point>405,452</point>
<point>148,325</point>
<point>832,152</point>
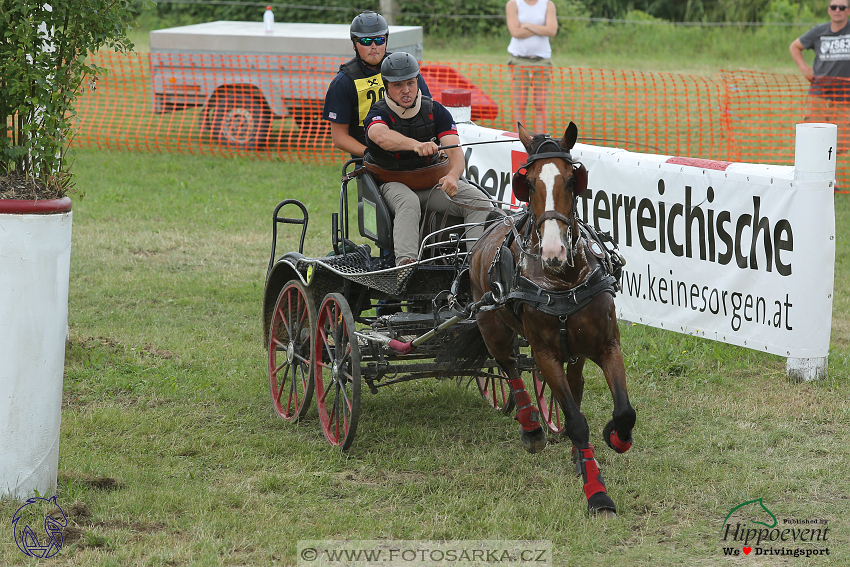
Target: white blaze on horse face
<point>551,243</point>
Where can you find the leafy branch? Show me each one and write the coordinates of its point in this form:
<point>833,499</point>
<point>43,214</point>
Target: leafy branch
<point>43,51</point>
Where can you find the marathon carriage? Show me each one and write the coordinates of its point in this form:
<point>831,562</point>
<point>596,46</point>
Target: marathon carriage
<point>461,310</point>
<point>327,334</point>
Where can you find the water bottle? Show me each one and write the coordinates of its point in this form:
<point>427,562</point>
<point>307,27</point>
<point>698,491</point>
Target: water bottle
<point>268,20</point>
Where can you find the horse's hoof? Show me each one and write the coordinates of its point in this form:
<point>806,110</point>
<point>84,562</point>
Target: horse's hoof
<point>604,513</point>
<point>600,504</point>
<point>533,441</point>
<point>612,439</point>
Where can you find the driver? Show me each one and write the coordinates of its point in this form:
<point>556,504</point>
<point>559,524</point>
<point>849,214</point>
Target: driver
<point>401,134</point>
<point>358,83</point>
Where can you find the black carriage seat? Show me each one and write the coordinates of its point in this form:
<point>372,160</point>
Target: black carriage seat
<point>374,220</point>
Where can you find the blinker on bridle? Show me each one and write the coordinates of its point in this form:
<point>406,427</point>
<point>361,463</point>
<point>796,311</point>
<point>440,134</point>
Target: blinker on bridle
<point>520,184</point>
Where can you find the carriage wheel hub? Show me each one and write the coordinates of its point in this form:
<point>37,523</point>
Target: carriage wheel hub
<point>290,352</point>
<point>335,372</point>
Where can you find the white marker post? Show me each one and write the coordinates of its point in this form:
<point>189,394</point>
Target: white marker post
<point>814,160</point>
<point>459,104</point>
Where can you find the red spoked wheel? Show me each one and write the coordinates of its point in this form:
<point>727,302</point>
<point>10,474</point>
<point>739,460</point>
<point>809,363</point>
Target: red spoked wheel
<point>337,371</point>
<point>291,350</point>
<point>496,391</point>
<point>550,410</point>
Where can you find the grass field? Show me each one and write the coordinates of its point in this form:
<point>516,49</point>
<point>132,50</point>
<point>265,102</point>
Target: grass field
<point>171,455</point>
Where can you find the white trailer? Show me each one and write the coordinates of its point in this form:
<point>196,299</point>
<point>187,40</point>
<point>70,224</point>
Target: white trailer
<point>244,77</point>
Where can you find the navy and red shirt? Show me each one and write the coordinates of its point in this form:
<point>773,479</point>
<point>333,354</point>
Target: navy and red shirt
<point>442,119</point>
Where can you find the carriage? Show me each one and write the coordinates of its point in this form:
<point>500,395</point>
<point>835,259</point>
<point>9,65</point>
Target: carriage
<point>336,323</point>
<point>483,311</point>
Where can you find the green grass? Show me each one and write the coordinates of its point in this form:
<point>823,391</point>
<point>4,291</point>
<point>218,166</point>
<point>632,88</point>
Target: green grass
<point>170,443</point>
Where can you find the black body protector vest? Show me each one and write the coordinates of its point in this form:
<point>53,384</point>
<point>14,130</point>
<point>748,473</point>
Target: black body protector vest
<point>420,127</point>
<point>369,90</point>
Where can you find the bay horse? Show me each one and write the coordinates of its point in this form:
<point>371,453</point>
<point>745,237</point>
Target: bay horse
<point>553,280</point>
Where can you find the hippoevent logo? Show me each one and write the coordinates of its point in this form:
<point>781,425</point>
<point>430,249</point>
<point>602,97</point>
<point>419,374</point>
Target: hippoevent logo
<point>53,521</point>
<point>750,528</point>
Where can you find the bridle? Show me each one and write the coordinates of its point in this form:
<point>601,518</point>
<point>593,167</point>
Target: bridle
<point>520,183</point>
<point>522,189</point>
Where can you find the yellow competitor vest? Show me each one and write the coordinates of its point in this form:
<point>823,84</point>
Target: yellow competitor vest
<point>369,90</point>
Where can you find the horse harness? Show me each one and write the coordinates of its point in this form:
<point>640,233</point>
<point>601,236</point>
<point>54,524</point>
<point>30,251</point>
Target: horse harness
<point>513,290</point>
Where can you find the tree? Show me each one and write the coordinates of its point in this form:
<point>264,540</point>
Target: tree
<point>43,50</point>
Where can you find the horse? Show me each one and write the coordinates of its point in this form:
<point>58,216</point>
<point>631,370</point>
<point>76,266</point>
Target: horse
<point>552,279</point>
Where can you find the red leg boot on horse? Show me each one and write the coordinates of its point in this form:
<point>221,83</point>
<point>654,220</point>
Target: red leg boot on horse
<point>500,340</point>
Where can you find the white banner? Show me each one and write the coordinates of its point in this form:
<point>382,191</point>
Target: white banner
<point>740,253</point>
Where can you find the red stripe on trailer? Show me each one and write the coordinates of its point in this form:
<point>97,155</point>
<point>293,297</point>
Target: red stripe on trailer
<point>701,163</point>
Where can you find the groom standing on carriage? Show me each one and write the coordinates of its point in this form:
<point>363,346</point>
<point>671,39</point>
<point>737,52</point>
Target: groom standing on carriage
<point>402,134</point>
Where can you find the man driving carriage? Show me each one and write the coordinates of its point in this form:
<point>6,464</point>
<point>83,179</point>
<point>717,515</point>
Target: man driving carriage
<point>402,131</point>
<point>358,83</point>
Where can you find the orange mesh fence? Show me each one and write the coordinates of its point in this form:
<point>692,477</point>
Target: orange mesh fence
<point>269,107</point>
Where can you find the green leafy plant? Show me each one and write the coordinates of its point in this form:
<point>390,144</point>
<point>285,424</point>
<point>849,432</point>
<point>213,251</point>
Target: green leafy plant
<point>43,50</point>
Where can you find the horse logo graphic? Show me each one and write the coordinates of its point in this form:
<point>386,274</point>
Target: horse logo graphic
<point>26,538</point>
<point>755,510</point>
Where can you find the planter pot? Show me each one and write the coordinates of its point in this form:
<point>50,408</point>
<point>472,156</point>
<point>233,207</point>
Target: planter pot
<point>35,262</point>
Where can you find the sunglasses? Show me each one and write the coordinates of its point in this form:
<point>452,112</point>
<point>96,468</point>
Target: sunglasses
<point>836,7</point>
<point>367,41</point>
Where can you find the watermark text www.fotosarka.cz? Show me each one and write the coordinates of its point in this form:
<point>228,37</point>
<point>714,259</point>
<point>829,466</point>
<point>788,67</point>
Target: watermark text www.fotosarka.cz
<point>424,553</point>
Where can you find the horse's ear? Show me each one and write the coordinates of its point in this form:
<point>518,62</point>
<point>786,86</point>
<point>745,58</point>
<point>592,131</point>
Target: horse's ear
<point>524,136</point>
<point>570,137</point>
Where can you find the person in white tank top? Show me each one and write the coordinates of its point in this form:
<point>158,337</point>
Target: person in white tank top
<point>531,23</point>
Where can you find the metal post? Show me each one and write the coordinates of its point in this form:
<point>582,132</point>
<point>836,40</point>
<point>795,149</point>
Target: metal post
<point>814,160</point>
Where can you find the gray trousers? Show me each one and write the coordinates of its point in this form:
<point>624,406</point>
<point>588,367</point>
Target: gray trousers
<point>407,206</point>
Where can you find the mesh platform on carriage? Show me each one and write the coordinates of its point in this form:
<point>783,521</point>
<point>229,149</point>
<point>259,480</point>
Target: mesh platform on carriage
<point>358,267</point>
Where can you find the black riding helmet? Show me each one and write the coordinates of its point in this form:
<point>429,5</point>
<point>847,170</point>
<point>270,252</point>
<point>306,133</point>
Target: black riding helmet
<point>399,66</point>
<point>368,24</point>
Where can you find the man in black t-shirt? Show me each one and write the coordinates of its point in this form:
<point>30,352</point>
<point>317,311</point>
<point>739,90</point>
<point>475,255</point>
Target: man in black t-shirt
<point>358,84</point>
<point>829,92</point>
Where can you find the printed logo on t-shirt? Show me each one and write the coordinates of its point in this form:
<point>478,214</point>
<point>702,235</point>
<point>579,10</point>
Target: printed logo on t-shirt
<point>332,115</point>
<point>835,48</point>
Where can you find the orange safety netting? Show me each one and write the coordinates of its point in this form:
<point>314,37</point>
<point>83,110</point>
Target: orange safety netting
<point>270,107</point>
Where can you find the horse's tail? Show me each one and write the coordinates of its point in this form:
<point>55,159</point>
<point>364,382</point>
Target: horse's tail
<point>467,351</point>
